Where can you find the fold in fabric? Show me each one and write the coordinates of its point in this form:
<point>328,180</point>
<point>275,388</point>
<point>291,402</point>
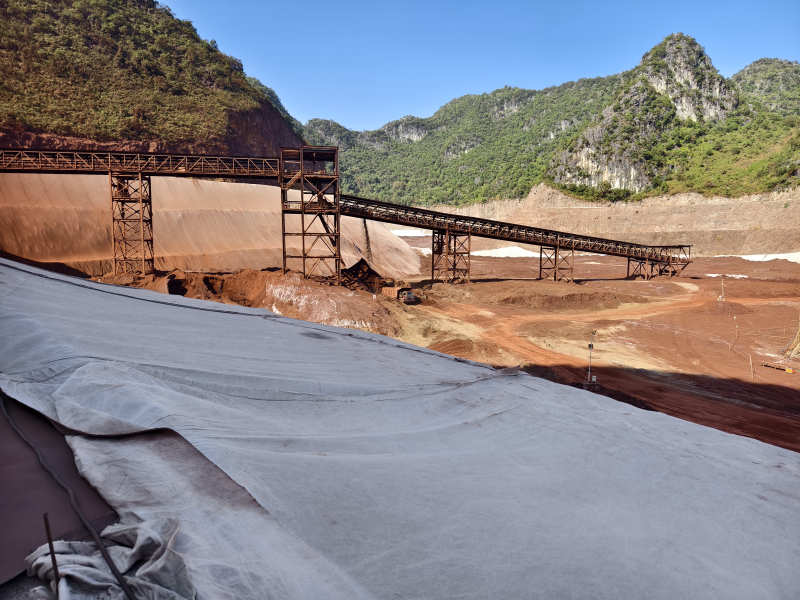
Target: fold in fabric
<point>142,550</point>
<point>313,463</point>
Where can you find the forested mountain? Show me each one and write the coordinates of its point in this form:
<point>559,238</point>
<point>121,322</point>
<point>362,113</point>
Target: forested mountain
<point>129,74</point>
<point>128,71</point>
<point>774,83</point>
<point>677,125</point>
<point>670,124</point>
<point>474,148</point>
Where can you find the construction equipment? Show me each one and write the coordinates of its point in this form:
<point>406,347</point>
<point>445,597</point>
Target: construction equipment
<point>404,294</point>
<point>779,367</point>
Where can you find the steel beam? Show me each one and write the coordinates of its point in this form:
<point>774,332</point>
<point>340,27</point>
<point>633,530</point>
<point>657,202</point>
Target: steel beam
<point>556,262</point>
<point>321,206</point>
<point>450,257</point>
<point>309,181</point>
<point>678,256</point>
<point>131,224</point>
<point>39,161</point>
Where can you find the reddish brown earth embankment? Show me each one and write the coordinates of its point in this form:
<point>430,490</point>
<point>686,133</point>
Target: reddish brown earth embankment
<point>354,307</point>
<point>670,343</point>
<point>758,224</point>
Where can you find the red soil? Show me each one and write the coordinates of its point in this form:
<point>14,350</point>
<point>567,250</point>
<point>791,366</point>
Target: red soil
<point>673,346</point>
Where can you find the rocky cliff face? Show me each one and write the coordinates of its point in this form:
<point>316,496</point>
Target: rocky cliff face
<point>259,132</point>
<point>407,129</point>
<point>680,68</point>
<point>674,82</point>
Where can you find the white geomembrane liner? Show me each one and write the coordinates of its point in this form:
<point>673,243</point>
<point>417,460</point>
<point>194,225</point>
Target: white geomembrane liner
<point>315,462</point>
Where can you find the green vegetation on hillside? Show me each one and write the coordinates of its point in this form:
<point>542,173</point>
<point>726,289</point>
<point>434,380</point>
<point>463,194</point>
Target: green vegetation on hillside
<point>743,155</point>
<point>472,149</point>
<point>773,83</point>
<point>722,140</point>
<point>738,157</point>
<point>757,147</point>
<point>730,144</point>
<point>116,70</point>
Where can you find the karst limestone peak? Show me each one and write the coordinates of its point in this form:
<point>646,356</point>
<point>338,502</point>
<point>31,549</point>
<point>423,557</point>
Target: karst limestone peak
<point>680,68</point>
<point>675,82</point>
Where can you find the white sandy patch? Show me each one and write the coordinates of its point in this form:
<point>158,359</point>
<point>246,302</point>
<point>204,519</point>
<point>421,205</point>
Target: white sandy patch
<point>790,256</point>
<point>410,232</point>
<point>722,275</point>
<point>507,252</point>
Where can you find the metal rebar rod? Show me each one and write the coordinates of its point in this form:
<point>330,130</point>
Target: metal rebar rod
<point>52,551</point>
<point>118,576</point>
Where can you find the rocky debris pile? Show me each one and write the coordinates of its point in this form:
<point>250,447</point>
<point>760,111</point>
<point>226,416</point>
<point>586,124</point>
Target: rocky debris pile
<point>721,307</point>
<point>362,277</point>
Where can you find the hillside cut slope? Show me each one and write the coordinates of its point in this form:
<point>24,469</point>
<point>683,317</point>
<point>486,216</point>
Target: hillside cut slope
<point>758,224</point>
<point>127,74</point>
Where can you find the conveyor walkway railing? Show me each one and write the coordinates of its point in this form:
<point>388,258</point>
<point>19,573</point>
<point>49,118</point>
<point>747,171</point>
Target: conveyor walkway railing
<point>70,161</point>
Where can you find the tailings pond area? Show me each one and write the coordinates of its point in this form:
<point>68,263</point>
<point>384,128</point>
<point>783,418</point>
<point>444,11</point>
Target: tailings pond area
<point>668,345</point>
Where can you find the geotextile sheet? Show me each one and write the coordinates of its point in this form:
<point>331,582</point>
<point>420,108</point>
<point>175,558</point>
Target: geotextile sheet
<point>21,510</point>
<point>305,461</point>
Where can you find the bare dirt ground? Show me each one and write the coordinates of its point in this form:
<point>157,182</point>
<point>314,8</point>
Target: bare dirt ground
<point>668,343</point>
<point>665,344</point>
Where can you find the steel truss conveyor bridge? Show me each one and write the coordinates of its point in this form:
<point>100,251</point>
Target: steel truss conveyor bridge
<point>309,181</point>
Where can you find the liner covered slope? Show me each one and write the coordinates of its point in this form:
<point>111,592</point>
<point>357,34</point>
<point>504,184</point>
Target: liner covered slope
<point>198,225</point>
<point>307,461</point>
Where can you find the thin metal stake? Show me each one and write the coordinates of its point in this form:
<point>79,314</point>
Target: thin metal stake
<point>117,575</point>
<point>52,550</point>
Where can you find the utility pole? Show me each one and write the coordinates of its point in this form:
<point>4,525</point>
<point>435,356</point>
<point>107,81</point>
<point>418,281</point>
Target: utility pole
<point>591,347</point>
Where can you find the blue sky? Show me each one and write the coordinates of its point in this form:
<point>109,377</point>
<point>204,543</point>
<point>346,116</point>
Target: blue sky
<point>385,60</point>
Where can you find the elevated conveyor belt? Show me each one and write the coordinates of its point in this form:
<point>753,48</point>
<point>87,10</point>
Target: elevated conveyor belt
<point>353,206</point>
<point>289,171</point>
